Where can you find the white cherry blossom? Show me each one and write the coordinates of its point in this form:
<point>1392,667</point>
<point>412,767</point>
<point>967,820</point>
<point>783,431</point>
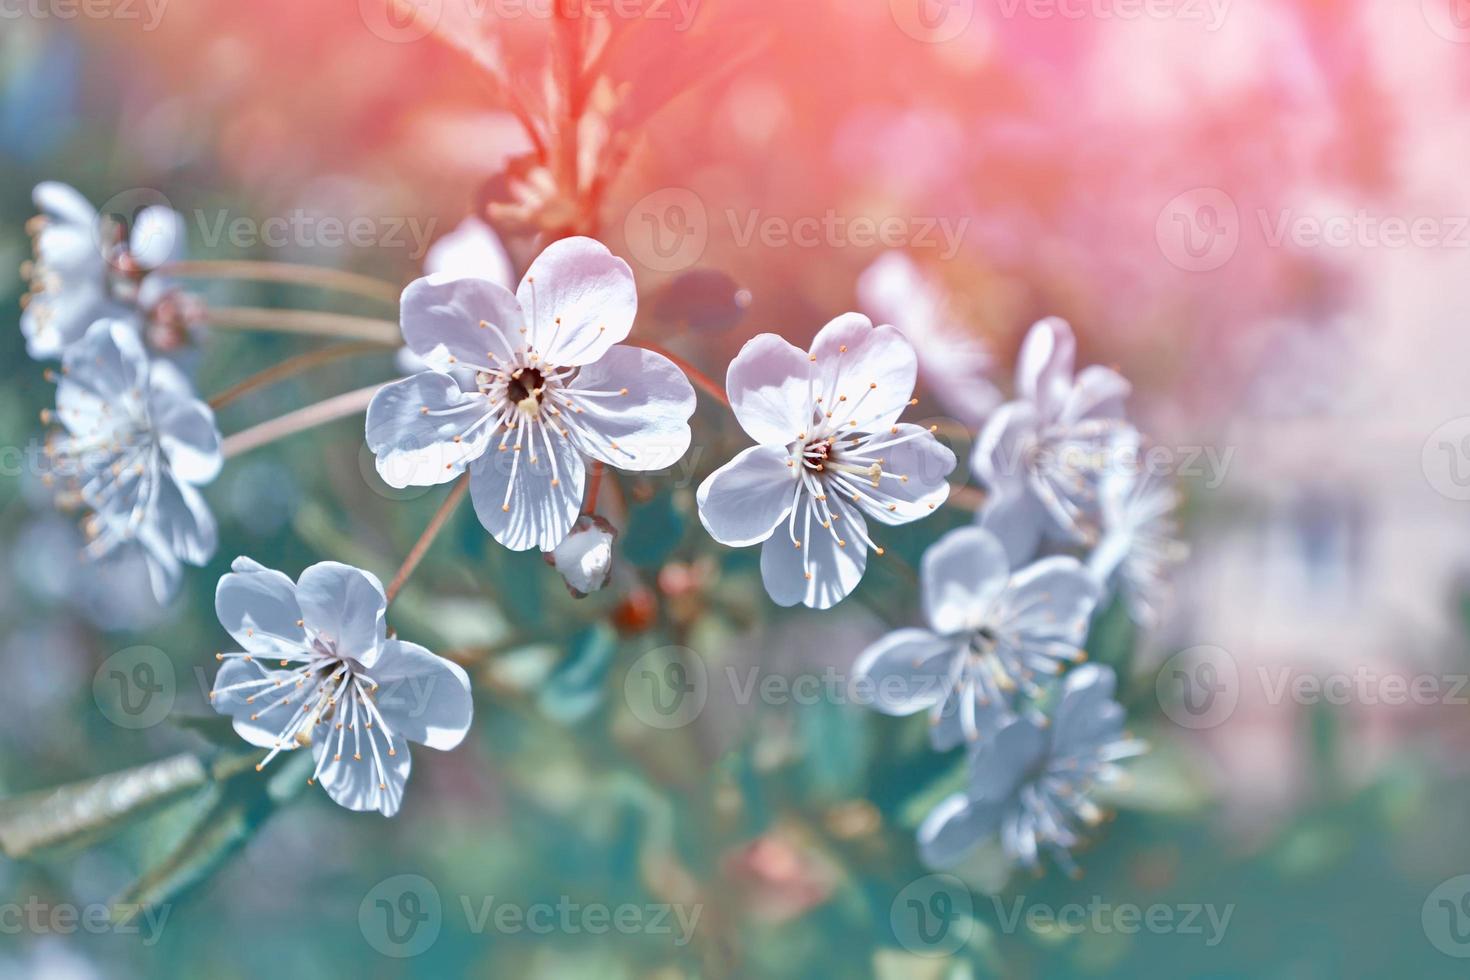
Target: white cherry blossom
<point>553,386</point>
<point>316,668</point>
<point>84,270</point>
<point>1042,455</point>
<point>134,444</point>
<point>991,634</point>
<point>831,456</point>
<point>1140,541</point>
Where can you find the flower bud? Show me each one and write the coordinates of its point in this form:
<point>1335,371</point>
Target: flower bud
<point>584,557</point>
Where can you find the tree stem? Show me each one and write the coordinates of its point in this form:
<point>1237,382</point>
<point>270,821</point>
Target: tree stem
<point>289,367</point>
<point>372,329</point>
<point>300,420</point>
<point>306,275</point>
<point>421,546</point>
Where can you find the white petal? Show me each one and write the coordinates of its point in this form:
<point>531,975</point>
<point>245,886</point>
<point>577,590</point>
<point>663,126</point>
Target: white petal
<point>535,513</point>
<point>962,573</point>
<point>1018,520</point>
<point>923,460</point>
<point>257,606</point>
<point>64,203</point>
<point>906,671</point>
<point>1098,394</point>
<point>357,784</point>
<point>476,321</point>
<point>648,424</point>
<point>1044,366</point>
<point>580,300</point>
<point>344,606</point>
<point>180,521</point>
<point>423,698</point>
<point>835,570</point>
<point>1000,764</point>
<point>109,360</point>
<point>471,250</point>
<point>770,389</point>
<point>742,502</point>
<point>255,720</point>
<point>1058,596</point>
<point>874,367</point>
<point>186,428</point>
<point>953,828</point>
<point>157,237</point>
<point>417,448</point>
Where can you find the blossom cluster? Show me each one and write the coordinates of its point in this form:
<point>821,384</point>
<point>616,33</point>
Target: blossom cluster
<point>525,391</point>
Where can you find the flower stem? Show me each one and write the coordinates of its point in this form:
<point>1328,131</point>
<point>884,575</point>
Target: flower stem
<point>710,386</point>
<point>306,275</point>
<point>300,420</point>
<point>383,332</point>
<point>421,546</point>
<point>287,368</point>
<point>594,483</point>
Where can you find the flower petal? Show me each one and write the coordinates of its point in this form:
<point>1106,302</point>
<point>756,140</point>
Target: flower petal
<point>425,430</point>
<point>185,426</point>
<point>742,502</point>
<point>250,703</point>
<point>157,237</point>
<point>514,494</point>
<point>422,697</point>
<point>1002,763</point>
<point>477,321</point>
<point>835,570</point>
<point>874,368</point>
<point>107,362</point>
<point>1098,394</point>
<point>770,389</point>
<point>471,251</point>
<point>1044,366</point>
<point>357,784</point>
<point>1058,596</point>
<point>953,828</point>
<point>63,203</point>
<point>906,671</point>
<point>1018,520</point>
<point>344,607</point>
<point>580,300</point>
<point>646,427</point>
<point>916,469</point>
<point>180,521</point>
<point>257,606</point>
<point>962,573</point>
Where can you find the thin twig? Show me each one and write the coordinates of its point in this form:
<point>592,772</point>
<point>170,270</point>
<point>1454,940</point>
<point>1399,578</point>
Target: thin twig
<point>594,483</point>
<point>305,275</point>
<point>300,420</point>
<point>965,498</point>
<point>287,368</point>
<point>313,322</point>
<point>421,546</point>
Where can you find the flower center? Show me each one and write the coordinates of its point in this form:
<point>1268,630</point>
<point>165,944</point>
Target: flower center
<point>525,388</point>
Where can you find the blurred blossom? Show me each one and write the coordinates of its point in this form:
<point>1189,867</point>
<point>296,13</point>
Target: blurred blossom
<point>1140,541</point>
<point>953,363</point>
